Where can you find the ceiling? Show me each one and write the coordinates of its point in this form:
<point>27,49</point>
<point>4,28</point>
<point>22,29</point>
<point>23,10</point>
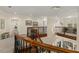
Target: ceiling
<point>39,10</point>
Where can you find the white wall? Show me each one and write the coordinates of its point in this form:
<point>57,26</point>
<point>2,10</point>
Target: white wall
<point>7,45</point>
<point>23,27</point>
<point>50,29</point>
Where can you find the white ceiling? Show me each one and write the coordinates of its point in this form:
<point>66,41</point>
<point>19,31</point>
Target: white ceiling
<point>40,10</point>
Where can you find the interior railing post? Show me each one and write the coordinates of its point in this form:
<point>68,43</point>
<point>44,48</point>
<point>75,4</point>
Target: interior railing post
<point>23,47</point>
<point>15,48</point>
<point>25,44</point>
<point>36,49</point>
<point>49,51</point>
<point>30,48</point>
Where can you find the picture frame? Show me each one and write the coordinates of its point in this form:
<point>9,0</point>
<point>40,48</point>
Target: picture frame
<point>2,23</point>
<point>5,35</point>
<point>28,22</point>
<point>35,23</point>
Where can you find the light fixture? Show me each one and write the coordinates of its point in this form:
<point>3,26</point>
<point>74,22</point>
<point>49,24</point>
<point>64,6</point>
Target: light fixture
<point>55,7</point>
<point>10,6</point>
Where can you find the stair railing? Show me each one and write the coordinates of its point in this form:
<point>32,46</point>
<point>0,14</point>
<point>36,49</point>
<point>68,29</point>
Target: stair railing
<point>27,45</point>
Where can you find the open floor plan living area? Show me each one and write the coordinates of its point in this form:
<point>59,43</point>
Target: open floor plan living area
<point>39,29</point>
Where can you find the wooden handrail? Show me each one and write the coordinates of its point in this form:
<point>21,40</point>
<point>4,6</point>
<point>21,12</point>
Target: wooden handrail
<point>44,45</point>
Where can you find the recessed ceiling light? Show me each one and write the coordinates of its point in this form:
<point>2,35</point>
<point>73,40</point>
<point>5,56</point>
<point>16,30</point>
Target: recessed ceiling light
<point>55,7</point>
